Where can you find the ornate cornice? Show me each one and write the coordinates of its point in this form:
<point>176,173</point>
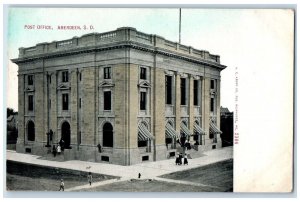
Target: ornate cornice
<point>120,45</point>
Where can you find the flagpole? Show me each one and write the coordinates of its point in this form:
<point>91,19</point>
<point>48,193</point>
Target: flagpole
<point>179,25</point>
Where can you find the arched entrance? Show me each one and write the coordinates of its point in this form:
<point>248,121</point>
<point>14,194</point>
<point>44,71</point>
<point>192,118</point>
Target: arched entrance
<point>30,131</point>
<point>66,134</point>
<point>108,136</point>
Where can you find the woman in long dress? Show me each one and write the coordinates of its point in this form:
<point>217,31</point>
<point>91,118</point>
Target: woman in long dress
<point>177,161</point>
<point>185,160</point>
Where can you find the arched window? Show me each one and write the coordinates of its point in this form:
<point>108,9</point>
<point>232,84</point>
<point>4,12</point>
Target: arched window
<point>66,134</point>
<point>30,131</point>
<point>108,136</point>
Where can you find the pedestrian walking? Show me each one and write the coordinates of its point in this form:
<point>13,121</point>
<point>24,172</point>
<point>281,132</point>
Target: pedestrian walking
<point>180,159</point>
<point>139,175</point>
<point>62,185</point>
<point>90,178</point>
<point>54,151</point>
<point>185,160</point>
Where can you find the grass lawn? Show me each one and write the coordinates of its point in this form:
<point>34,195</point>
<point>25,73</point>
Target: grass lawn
<point>23,177</point>
<point>219,174</point>
<point>147,186</point>
<point>27,177</point>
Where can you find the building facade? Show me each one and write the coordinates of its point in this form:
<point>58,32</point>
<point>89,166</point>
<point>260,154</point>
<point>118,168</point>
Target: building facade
<point>121,97</point>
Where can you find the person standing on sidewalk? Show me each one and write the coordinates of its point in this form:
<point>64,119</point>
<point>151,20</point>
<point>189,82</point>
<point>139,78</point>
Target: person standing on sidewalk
<point>90,178</point>
<point>185,161</point>
<point>177,161</point>
<point>62,185</point>
<point>58,149</point>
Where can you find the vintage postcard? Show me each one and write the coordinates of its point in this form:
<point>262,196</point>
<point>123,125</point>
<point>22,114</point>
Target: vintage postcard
<point>149,99</point>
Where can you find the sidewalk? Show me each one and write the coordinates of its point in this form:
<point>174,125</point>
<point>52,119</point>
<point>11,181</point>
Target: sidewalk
<point>148,170</point>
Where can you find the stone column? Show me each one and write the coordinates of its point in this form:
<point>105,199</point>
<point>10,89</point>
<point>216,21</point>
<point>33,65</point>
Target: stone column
<point>191,104</point>
<point>177,103</point>
<point>218,108</point>
<point>206,108</point>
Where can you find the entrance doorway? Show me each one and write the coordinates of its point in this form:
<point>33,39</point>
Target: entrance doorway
<point>66,134</point>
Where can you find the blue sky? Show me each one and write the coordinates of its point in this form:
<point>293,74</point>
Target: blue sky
<point>225,32</point>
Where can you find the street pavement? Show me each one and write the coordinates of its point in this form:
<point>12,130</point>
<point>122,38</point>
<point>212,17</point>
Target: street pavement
<point>148,170</point>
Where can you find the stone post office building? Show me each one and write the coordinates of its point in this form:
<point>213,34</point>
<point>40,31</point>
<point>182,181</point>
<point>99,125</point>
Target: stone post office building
<point>121,97</point>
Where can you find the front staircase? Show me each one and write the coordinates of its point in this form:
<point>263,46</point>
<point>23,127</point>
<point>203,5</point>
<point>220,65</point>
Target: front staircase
<point>63,156</point>
<point>196,151</point>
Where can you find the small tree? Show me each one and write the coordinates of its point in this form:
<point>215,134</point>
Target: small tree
<point>10,111</point>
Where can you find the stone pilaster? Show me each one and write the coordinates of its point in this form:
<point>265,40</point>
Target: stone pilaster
<point>133,104</point>
<point>159,113</point>
<point>121,152</point>
<point>88,115</point>
<point>53,109</point>
<point>120,133</point>
<point>74,107</point>
<point>21,113</point>
<point>40,136</point>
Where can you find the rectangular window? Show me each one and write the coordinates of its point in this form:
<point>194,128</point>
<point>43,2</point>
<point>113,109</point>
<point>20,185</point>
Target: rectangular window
<point>65,101</point>
<point>107,73</point>
<point>79,103</point>
<point>183,91</point>
<point>30,102</point>
<point>212,84</point>
<point>65,76</point>
<point>30,79</point>
<point>143,101</point>
<point>142,143</point>
<point>49,77</point>
<point>145,158</point>
<point>107,100</point>
<point>80,76</point>
<point>143,73</point>
<point>212,104</point>
<point>168,89</point>
<point>49,103</point>
<point>196,92</point>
